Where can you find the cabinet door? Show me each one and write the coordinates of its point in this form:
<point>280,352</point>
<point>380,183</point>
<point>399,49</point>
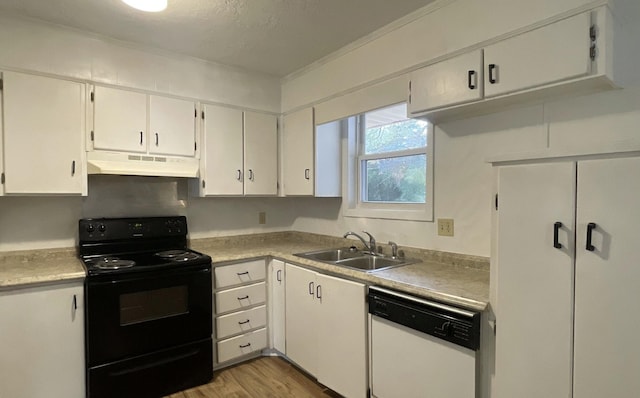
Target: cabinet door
<point>120,120</point>
<point>298,136</point>
<point>534,281</point>
<point>42,342</point>
<point>222,154</point>
<point>260,154</point>
<point>277,304</point>
<point>172,126</point>
<point>607,325</point>
<point>43,135</point>
<point>451,82</point>
<point>301,317</point>
<point>552,53</point>
<point>342,342</point>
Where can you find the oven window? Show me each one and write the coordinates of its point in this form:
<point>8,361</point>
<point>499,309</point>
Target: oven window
<point>153,304</point>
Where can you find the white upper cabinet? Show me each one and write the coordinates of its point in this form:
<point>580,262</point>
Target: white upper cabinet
<point>553,53</point>
<point>570,56</point>
<point>172,126</point>
<point>120,123</point>
<point>451,82</point>
<point>44,126</point>
<point>240,154</point>
<point>260,154</point>
<point>298,150</point>
<point>221,160</point>
<point>119,120</point>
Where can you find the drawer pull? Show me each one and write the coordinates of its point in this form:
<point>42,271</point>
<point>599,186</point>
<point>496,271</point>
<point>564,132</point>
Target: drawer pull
<point>242,273</point>
<point>243,298</point>
<point>243,322</point>
<point>245,345</point>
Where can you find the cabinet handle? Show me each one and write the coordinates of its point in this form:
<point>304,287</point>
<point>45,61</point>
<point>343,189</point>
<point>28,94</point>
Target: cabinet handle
<point>492,77</point>
<point>471,82</point>
<point>311,288</point>
<point>141,133</point>
<point>239,175</point>
<point>75,303</point>
<point>243,298</point>
<point>242,273</point>
<point>279,275</point>
<point>245,345</point>
<point>306,174</point>
<point>319,291</point>
<point>250,175</point>
<point>157,139</point>
<point>556,227</point>
<point>243,322</point>
<point>73,168</point>
<point>590,227</point>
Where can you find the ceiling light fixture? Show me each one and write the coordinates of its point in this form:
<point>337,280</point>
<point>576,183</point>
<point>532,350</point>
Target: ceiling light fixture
<point>147,5</point>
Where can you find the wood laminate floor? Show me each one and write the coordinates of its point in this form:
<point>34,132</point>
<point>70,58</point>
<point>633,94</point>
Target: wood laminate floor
<point>259,378</point>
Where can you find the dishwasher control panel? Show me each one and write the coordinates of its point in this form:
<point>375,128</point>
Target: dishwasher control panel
<point>456,325</point>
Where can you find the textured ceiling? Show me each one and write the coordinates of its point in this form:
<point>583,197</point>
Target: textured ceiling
<point>271,36</point>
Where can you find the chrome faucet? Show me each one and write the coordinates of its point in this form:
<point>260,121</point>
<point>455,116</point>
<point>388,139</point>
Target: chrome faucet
<point>370,247</point>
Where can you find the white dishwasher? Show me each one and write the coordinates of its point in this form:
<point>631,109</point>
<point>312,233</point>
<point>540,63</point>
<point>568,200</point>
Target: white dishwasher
<point>420,348</point>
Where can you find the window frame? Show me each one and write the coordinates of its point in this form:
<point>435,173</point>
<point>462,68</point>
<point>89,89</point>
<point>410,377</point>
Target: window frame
<point>355,181</point>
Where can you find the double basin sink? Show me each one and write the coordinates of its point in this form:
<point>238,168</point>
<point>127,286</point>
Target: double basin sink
<point>355,259</point>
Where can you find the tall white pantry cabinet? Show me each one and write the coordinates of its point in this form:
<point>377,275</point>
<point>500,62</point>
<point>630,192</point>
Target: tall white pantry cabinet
<point>568,279</point>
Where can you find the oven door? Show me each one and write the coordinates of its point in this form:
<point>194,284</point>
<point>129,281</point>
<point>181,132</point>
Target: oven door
<point>139,314</point>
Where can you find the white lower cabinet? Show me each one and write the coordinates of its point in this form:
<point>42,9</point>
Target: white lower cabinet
<point>326,329</point>
<point>42,342</point>
<point>277,305</point>
<point>240,309</point>
<point>567,280</point>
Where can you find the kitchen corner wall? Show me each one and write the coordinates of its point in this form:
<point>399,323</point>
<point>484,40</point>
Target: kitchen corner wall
<point>464,182</point>
<point>47,222</point>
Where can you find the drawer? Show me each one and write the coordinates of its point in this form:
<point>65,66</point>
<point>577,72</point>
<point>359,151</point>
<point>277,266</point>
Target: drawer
<point>239,322</point>
<point>235,274</point>
<point>242,345</point>
<point>240,297</point>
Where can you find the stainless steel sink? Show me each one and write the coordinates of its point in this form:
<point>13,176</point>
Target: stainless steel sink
<point>371,263</point>
<point>354,259</point>
<point>331,255</point>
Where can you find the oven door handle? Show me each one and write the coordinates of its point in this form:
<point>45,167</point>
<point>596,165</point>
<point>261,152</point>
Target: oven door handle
<point>197,270</point>
<point>154,364</point>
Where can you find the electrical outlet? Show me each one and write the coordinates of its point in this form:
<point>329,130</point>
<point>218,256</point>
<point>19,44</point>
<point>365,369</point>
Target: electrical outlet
<point>445,226</point>
<point>262,217</point>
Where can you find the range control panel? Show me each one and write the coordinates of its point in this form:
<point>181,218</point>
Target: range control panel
<point>456,325</point>
<point>113,229</point>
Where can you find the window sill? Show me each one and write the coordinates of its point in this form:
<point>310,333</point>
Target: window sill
<point>423,215</point>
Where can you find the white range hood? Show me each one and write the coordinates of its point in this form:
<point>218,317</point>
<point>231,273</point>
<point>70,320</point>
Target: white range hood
<point>99,162</point>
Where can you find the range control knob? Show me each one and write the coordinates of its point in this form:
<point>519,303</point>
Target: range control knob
<point>90,228</point>
<point>102,228</point>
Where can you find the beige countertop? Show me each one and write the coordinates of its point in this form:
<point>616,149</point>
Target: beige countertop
<point>450,278</point>
<point>33,267</point>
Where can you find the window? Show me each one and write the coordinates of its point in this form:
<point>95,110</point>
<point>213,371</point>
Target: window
<point>392,166</point>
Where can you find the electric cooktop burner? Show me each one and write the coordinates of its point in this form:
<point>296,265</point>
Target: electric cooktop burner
<point>177,255</point>
<point>112,263</point>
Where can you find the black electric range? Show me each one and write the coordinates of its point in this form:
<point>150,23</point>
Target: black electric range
<point>148,307</point>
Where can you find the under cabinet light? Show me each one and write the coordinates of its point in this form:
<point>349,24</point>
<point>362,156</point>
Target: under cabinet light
<point>147,5</point>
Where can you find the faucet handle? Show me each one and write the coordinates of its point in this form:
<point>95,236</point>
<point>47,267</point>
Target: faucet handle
<point>394,249</point>
<point>372,243</point>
